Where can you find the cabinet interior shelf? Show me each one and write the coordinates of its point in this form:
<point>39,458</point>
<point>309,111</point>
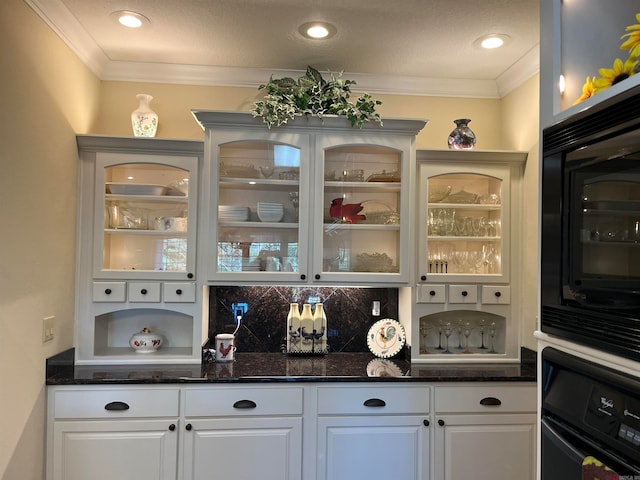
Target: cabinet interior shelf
<point>443,238</point>
<point>136,231</point>
<point>466,206</point>
<point>253,183</point>
<point>148,198</point>
<point>127,352</point>
<point>365,187</point>
<point>606,243</point>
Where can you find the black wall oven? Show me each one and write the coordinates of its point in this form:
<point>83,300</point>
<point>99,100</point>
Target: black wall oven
<point>590,425</point>
<point>590,258</point>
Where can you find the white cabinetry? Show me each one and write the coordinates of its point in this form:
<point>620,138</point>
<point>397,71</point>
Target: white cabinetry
<point>271,218</point>
<point>468,277</point>
<point>485,432</point>
<point>373,432</point>
<point>136,249</point>
<point>248,433</point>
<point>106,433</point>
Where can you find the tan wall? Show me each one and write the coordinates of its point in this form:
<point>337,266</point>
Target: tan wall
<point>520,130</point>
<point>46,95</point>
<point>173,104</point>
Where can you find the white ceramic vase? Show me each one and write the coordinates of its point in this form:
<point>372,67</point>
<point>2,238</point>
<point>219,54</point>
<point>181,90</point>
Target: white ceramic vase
<point>144,120</point>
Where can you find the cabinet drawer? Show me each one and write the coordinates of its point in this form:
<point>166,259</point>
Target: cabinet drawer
<point>431,293</point>
<point>472,399</point>
<point>116,403</point>
<point>496,294</point>
<point>144,292</point>
<point>463,294</point>
<point>209,402</point>
<point>373,400</point>
<point>109,291</point>
<point>179,292</point>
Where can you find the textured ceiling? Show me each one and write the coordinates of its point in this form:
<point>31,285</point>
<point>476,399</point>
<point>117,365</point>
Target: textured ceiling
<point>430,41</point>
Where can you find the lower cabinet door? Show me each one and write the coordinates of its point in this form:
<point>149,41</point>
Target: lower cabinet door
<point>243,448</point>
<point>485,447</point>
<point>373,447</point>
<point>114,449</point>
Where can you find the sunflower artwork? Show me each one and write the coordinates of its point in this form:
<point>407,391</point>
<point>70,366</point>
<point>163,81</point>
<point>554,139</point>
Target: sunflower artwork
<point>620,70</point>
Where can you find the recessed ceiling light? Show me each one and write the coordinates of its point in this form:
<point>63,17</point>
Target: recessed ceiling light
<point>317,30</point>
<point>129,19</point>
<point>493,40</point>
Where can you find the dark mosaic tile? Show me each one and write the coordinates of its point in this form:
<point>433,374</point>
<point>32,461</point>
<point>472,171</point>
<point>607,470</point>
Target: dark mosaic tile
<point>263,324</point>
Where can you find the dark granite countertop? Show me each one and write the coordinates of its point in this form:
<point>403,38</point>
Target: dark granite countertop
<point>278,367</point>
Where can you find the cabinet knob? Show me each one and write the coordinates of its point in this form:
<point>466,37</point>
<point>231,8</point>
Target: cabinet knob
<point>188,427</point>
<point>374,402</point>
<point>490,401</point>
<point>189,275</point>
<point>172,427</point>
<point>303,277</point>
<point>441,422</point>
<point>317,276</point>
<point>464,293</point>
<point>498,294</point>
<point>426,423</point>
<point>107,291</point>
<point>248,404</point>
<point>179,291</point>
<point>432,293</point>
<point>423,278</point>
<point>116,406</point>
<point>143,291</point>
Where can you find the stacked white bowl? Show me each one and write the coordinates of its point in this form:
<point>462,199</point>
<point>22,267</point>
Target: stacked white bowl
<point>270,212</point>
<point>233,213</point>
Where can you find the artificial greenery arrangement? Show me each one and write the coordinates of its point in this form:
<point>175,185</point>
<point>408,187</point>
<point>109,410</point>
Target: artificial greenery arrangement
<point>313,95</point>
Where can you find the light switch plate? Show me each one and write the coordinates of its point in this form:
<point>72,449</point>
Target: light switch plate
<point>47,328</point>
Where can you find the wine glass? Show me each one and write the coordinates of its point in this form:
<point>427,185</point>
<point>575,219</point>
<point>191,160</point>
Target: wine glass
<point>459,325</point>
<point>424,332</point>
<point>492,335</point>
<point>466,330</point>
<point>482,327</point>
<point>447,333</point>
<point>440,329</point>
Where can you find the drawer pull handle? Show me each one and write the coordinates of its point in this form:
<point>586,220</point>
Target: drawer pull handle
<point>303,277</point>
<point>107,291</point>
<point>441,422</point>
<point>423,278</point>
<point>374,402</point>
<point>179,292</point>
<point>143,291</point>
<point>490,401</point>
<point>172,427</point>
<point>317,276</point>
<point>116,406</point>
<point>426,423</point>
<point>188,427</point>
<point>464,293</point>
<point>245,404</point>
<point>432,293</point>
<point>189,275</point>
<point>498,294</point>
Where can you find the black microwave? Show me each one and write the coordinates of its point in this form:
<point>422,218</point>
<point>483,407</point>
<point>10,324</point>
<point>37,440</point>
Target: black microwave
<point>590,232</point>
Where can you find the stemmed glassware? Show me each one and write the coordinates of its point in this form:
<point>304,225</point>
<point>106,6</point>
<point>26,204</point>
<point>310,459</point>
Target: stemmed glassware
<point>492,335</point>
<point>482,327</point>
<point>447,333</point>
<point>459,324</point>
<point>467,328</point>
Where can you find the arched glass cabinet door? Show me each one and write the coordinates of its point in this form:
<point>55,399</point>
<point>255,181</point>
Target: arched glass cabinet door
<point>465,225</point>
<point>145,218</point>
<point>258,226</point>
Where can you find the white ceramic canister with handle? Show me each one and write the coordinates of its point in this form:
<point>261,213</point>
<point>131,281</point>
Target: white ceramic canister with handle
<point>225,347</point>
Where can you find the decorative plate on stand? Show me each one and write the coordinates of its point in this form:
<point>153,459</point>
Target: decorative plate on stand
<point>386,338</point>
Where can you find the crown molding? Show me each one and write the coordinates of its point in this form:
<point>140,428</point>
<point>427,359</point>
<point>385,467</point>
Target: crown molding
<point>65,25</point>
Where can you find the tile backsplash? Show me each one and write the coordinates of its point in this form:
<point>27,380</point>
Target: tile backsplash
<point>264,312</point>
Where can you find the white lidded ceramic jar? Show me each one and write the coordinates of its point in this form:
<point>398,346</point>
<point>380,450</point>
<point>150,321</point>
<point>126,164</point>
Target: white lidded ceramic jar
<point>145,341</point>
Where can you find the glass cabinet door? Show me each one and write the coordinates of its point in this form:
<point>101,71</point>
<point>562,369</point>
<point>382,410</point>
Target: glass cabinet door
<point>360,205</point>
<point>145,216</point>
<point>465,226</point>
<point>261,204</point>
